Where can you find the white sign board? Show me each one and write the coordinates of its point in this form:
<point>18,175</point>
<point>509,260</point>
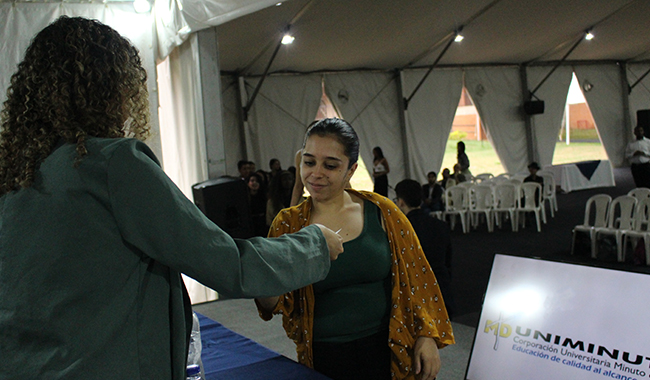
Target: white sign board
<point>551,320</point>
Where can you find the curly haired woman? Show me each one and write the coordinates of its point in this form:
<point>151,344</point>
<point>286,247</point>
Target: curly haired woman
<point>94,236</point>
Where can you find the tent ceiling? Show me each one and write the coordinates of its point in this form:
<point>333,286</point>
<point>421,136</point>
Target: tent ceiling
<point>389,34</point>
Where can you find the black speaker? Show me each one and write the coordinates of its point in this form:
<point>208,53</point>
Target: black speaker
<point>643,118</point>
<point>534,107</point>
<point>225,202</point>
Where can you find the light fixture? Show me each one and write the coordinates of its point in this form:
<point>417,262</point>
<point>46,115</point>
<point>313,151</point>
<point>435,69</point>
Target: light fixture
<point>459,37</point>
<point>278,4</point>
<point>589,36</point>
<point>288,39</point>
<point>141,6</point>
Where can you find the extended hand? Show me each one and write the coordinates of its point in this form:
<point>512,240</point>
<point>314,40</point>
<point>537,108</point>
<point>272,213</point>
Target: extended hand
<point>426,359</point>
<point>334,241</point>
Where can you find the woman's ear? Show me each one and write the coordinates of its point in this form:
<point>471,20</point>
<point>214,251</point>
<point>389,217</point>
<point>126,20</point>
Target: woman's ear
<point>352,170</point>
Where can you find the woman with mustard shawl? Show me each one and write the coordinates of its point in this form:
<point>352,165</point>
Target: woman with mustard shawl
<point>379,313</point>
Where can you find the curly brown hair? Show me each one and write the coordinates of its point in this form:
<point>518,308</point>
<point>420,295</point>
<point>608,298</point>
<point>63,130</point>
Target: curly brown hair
<point>79,79</point>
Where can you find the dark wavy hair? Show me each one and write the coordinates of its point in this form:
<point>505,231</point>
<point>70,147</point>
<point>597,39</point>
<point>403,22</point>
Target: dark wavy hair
<point>79,78</point>
<point>343,132</point>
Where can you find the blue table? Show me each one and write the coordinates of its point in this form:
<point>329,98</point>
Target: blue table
<point>229,356</point>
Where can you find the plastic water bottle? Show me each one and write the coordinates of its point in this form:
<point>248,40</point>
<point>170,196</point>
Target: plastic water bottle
<point>194,353</point>
<point>194,372</point>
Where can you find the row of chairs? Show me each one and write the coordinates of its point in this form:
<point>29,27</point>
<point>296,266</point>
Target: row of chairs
<point>509,198</point>
<point>549,185</point>
<point>624,217</point>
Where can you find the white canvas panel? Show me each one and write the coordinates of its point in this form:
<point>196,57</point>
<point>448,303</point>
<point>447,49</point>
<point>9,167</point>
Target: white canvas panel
<point>279,117</point>
<point>368,101</point>
<point>429,117</point>
<point>496,92</point>
<point>546,127</point>
<point>605,102</point>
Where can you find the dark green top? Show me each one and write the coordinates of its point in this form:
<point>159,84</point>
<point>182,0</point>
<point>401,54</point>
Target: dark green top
<point>90,263</point>
<point>353,301</point>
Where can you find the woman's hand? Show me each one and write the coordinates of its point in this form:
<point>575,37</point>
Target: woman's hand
<point>334,241</point>
<point>426,359</point>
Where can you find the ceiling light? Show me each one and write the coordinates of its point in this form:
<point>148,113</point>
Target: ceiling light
<point>278,4</point>
<point>459,37</point>
<point>287,39</point>
<point>589,36</point>
<point>141,6</point>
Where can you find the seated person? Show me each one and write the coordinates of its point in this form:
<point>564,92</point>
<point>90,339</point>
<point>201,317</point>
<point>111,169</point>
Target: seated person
<point>434,236</point>
<point>533,168</point>
<point>458,175</point>
<point>432,194</point>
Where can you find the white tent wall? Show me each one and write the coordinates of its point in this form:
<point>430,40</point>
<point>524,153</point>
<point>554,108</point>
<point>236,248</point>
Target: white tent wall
<point>232,133</point>
<point>369,102</point>
<point>640,94</point>
<point>429,117</point>
<point>497,94</point>
<point>546,127</point>
<point>283,108</point>
<point>20,22</point>
<point>607,107</point>
<point>181,113</point>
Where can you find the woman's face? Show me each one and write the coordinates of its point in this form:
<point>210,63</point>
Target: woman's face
<point>253,184</point>
<point>324,167</point>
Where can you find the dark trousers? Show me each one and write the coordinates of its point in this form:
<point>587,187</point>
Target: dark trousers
<point>365,358</point>
<point>641,174</point>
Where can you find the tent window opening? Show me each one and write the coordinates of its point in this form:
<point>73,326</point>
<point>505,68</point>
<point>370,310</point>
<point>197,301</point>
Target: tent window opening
<point>578,139</point>
<point>468,128</point>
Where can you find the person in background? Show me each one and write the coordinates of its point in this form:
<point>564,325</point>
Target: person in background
<point>380,171</point>
<point>533,168</point>
<point>379,314</point>
<point>463,161</point>
<point>266,179</point>
<point>257,202</point>
<point>434,236</point>
<point>279,194</point>
<point>458,175</point>
<point>244,168</point>
<point>446,174</point>
<point>95,236</point>
<point>638,153</point>
<point>275,166</point>
<point>432,194</point>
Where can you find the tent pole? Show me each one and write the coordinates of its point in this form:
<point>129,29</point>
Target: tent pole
<point>248,105</point>
<point>442,53</point>
<point>530,146</point>
<point>637,81</point>
<point>241,98</point>
<point>402,122</point>
<point>627,123</point>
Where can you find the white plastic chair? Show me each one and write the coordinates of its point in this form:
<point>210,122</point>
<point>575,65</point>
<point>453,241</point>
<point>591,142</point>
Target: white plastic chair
<point>641,227</point>
<point>600,205</point>
<point>619,220</point>
<point>640,193</point>
<point>506,200</point>
<point>481,203</point>
<point>479,178</point>
<point>457,204</point>
<point>549,194</point>
<point>532,202</point>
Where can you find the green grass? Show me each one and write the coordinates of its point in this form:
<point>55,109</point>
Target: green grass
<point>483,158</point>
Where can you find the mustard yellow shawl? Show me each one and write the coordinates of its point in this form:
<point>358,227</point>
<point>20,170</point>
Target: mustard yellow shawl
<point>417,305</point>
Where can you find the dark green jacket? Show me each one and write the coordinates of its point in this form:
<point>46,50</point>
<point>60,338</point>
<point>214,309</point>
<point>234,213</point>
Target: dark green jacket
<point>90,263</point>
